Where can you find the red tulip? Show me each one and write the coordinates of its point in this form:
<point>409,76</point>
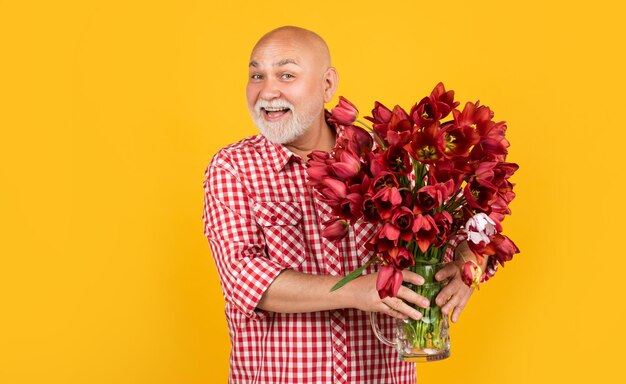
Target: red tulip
<point>480,195</point>
<point>400,127</point>
<point>471,273</point>
<point>321,156</point>
<point>399,257</point>
<point>501,247</point>
<point>407,197</point>
<point>425,231</point>
<point>459,140</point>
<point>426,199</point>
<point>384,180</point>
<point>432,196</point>
<point>397,160</point>
<point>444,221</point>
<point>332,191</point>
<point>505,190</point>
<point>434,107</point>
<point>502,172</point>
<point>390,232</point>
<point>472,116</point>
<point>402,219</point>
<point>335,229</point>
<point>370,211</point>
<point>386,200</point>
<point>345,113</point>
<point>318,166</point>
<point>388,282</point>
<point>450,170</point>
<point>358,140</point>
<point>348,167</point>
<point>427,145</point>
<point>377,165</point>
<point>317,173</point>
<point>380,113</point>
<point>351,208</point>
<point>381,117</point>
<point>380,244</point>
<point>492,145</point>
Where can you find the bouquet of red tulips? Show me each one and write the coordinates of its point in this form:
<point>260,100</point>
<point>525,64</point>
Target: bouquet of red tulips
<point>427,178</point>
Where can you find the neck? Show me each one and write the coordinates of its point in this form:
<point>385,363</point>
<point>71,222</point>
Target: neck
<point>319,136</point>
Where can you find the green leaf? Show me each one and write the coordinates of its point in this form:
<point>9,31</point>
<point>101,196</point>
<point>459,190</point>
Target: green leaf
<point>353,275</point>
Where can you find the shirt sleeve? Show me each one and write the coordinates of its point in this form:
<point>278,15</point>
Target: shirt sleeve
<point>236,242</point>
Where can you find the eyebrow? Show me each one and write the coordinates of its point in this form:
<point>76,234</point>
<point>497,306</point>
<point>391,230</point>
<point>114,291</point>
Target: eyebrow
<point>255,64</point>
<point>285,62</point>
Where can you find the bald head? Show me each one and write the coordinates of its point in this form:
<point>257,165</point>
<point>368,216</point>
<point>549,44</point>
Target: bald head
<point>308,43</point>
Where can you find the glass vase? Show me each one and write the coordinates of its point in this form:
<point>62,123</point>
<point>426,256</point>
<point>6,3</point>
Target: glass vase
<point>427,339</point>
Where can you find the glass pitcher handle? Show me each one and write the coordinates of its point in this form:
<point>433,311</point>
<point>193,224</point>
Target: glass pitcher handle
<point>377,332</point>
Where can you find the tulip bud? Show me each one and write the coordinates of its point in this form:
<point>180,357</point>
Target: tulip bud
<point>335,230</point>
<point>388,281</point>
<point>345,113</point>
<point>471,274</point>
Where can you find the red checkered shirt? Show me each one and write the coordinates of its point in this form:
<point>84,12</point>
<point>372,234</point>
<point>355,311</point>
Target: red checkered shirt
<point>260,218</point>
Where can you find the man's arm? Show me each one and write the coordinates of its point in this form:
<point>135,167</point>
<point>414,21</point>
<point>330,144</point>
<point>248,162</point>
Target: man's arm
<point>236,243</point>
<point>253,283</point>
<point>293,292</point>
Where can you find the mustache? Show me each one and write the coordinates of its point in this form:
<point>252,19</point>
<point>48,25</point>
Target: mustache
<point>272,104</point>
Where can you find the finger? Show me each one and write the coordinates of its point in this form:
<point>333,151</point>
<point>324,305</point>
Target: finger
<point>461,306</point>
<point>413,297</point>
<point>448,271</point>
<point>400,306</point>
<point>454,301</point>
<point>459,299</point>
<point>388,310</point>
<point>412,277</point>
<point>448,291</point>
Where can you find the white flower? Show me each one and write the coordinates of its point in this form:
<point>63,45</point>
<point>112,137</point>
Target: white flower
<point>479,227</point>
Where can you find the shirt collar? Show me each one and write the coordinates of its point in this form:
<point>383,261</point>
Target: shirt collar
<point>276,155</point>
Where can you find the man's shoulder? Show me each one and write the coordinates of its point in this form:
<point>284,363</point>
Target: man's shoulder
<point>249,144</point>
<point>233,154</point>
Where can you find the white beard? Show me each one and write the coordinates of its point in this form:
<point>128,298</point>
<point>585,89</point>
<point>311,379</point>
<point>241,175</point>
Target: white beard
<point>282,132</point>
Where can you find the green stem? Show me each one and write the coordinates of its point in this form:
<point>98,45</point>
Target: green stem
<point>419,171</point>
<point>425,333</point>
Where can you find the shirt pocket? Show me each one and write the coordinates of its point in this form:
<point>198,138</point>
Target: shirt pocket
<point>363,233</point>
<point>281,223</point>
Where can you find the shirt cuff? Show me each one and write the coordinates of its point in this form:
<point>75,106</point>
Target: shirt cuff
<point>251,283</point>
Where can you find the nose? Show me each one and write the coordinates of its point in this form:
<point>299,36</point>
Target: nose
<point>270,90</point>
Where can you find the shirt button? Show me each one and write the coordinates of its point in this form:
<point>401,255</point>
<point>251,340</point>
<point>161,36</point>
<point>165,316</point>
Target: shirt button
<point>273,219</point>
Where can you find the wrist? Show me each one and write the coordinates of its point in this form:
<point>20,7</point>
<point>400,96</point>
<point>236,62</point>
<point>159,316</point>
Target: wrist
<point>463,254</point>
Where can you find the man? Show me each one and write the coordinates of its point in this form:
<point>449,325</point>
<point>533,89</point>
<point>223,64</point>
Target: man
<point>264,227</point>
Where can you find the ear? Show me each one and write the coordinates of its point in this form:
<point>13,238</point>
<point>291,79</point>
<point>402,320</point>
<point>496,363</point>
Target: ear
<point>330,83</point>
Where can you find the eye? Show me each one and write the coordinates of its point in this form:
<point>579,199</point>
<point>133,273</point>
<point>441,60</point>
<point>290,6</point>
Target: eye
<point>256,76</point>
<point>287,76</point>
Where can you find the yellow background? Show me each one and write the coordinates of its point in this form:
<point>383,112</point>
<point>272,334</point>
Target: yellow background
<point>110,111</point>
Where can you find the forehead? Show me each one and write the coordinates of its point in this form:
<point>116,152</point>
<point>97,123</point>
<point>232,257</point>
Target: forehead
<point>281,51</point>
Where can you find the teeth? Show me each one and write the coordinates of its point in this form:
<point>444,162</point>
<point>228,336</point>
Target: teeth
<point>274,109</point>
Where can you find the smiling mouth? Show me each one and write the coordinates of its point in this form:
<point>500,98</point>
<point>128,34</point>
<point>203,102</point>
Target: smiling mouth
<point>271,113</point>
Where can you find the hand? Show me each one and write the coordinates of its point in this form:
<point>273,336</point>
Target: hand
<point>364,296</point>
<point>454,296</point>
